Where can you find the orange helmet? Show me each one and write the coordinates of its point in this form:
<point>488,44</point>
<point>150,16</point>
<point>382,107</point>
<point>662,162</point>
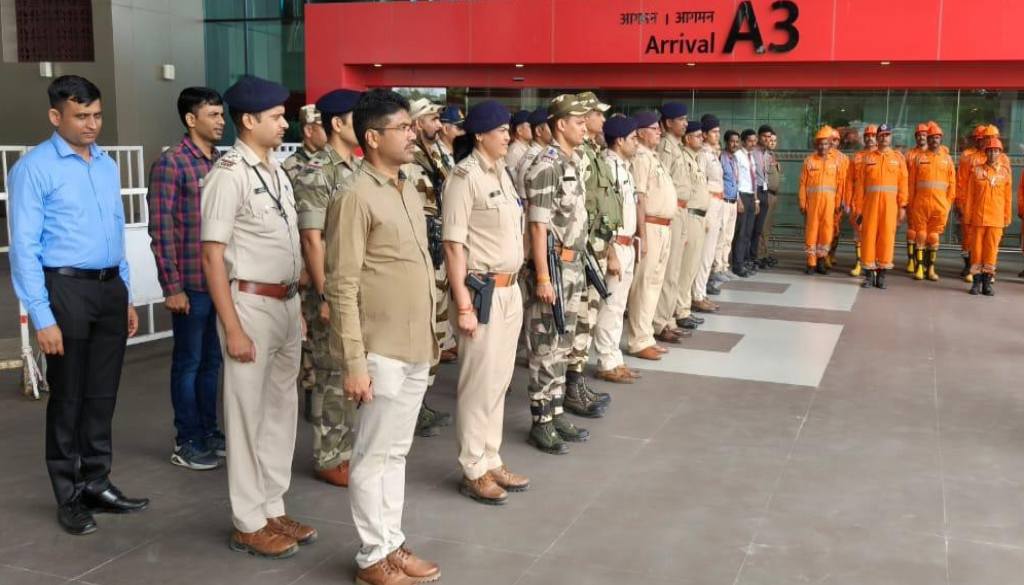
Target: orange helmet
<point>870,130</point>
<point>979,131</point>
<point>993,142</point>
<point>824,134</point>
<point>921,128</point>
<point>934,129</point>
<point>991,132</point>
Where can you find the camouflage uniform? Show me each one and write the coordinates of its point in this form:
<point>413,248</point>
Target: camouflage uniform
<point>318,183</point>
<point>307,373</point>
<point>557,198</point>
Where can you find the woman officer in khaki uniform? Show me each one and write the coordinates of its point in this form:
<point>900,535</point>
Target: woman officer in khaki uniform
<point>483,244</point>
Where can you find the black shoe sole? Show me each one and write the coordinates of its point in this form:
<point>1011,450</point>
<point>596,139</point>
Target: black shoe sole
<point>575,439</point>
<point>237,547</point>
<point>599,413</point>
<point>561,450</point>
<point>81,531</point>
<point>486,501</point>
<point>106,510</point>
<point>428,432</point>
<point>516,490</point>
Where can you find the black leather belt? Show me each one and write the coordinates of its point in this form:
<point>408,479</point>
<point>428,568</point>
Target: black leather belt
<point>101,274</point>
<point>698,212</point>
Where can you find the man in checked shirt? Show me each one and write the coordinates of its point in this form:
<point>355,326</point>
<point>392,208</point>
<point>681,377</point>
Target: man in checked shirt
<point>175,183</point>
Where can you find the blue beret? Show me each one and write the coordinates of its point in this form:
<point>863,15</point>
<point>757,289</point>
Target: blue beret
<point>339,101</point>
<point>252,95</point>
<point>520,117</point>
<point>885,129</point>
<point>619,127</point>
<point>452,115</point>
<point>645,119</point>
<point>538,116</point>
<point>485,116</point>
<point>693,126</point>
<point>709,122</point>
<point>673,110</point>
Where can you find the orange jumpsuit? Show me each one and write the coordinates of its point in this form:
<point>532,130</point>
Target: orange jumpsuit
<point>932,190</point>
<point>987,209</point>
<point>962,171</point>
<point>844,171</point>
<point>882,190</point>
<point>1020,207</point>
<point>849,200</point>
<point>821,182</point>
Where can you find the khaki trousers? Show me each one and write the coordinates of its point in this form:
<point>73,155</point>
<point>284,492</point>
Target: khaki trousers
<point>260,408</point>
<point>669,297</point>
<point>486,363</point>
<point>648,282</point>
<point>608,330</point>
<point>377,477</point>
<point>724,248</point>
<point>696,230</point>
<point>713,221</point>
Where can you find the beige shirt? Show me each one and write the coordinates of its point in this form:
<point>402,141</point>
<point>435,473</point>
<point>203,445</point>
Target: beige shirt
<point>711,164</point>
<point>242,212</point>
<point>516,150</point>
<point>624,181</point>
<point>670,153</point>
<point>481,212</point>
<point>697,196</point>
<point>653,181</point>
<point>380,280</point>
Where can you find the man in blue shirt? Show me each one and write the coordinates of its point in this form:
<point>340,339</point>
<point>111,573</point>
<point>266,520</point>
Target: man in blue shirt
<point>70,272</point>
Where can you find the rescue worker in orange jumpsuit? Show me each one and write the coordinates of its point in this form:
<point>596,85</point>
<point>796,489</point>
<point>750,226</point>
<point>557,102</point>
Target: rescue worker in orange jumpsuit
<point>932,189</point>
<point>987,208</point>
<point>920,145</point>
<point>821,182</point>
<point>849,203</point>
<point>882,191</point>
<point>967,160</point>
<point>1020,214</point>
<point>844,167</point>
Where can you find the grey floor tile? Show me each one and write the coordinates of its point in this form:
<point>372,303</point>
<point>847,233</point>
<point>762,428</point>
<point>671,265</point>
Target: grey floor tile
<point>974,563</point>
<point>10,575</point>
<point>550,570</point>
<point>986,510</point>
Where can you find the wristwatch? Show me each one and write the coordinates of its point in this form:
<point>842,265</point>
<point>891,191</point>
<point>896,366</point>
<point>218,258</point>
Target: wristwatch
<point>323,297</point>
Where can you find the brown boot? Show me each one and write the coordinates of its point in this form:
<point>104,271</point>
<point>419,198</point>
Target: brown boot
<point>616,375</point>
<point>337,476</point>
<point>509,481</point>
<point>704,306</point>
<point>484,490</point>
<point>648,353</point>
<point>667,335</point>
<point>449,355</point>
<point>631,373</point>
<point>265,543</point>
<point>383,573</point>
<point>420,570</point>
<point>301,533</point>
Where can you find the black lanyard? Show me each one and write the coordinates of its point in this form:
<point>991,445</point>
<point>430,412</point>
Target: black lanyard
<point>277,200</point>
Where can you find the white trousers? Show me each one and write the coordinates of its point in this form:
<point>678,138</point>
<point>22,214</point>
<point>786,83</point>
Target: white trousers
<point>608,330</point>
<point>377,474</point>
<point>725,240</point>
<point>715,217</point>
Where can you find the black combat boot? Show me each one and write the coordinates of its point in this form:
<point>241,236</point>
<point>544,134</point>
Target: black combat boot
<point>880,278</point>
<point>577,400</point>
<point>821,267</point>
<point>986,285</point>
<point>545,438</point>
<point>869,279</point>
<point>976,285</point>
<point>568,431</point>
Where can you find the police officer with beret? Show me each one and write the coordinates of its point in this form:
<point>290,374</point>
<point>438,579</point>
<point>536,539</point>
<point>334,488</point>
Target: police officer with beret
<point>252,263</point>
<point>541,139</point>
<point>483,242</point>
<point>451,128</point>
<point>521,137</point>
<point>316,185</point>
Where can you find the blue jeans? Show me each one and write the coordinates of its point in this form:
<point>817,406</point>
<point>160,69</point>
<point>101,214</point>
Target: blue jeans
<point>195,369</point>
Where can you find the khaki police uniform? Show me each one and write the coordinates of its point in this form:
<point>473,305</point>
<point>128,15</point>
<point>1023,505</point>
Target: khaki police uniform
<point>333,417</point>
<point>256,220</point>
<point>697,198</point>
<point>482,212</point>
<point>714,175</point>
<point>670,153</point>
<point>654,186</point>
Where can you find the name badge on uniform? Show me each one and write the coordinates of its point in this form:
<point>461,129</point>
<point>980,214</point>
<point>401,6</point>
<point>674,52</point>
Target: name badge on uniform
<point>569,178</point>
<point>260,190</point>
<point>494,194</point>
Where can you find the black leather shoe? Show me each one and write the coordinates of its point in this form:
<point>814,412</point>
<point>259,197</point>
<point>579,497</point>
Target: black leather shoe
<point>712,289</point>
<point>697,320</point>
<point>740,272</point>
<point>75,519</point>
<point>687,323</point>
<point>112,501</point>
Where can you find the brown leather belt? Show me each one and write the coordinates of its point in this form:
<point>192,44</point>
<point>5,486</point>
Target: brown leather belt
<point>281,292</point>
<point>624,240</point>
<point>682,204</point>
<point>658,220</point>
<point>566,255</point>
<point>501,279</point>
<point>720,196</point>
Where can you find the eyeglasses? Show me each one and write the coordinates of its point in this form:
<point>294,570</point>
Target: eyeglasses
<point>406,128</point>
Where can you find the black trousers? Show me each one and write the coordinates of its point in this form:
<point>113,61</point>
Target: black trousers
<point>93,318</point>
<point>759,220</point>
<point>744,232</point>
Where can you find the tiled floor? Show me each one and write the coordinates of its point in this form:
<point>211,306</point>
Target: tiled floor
<point>817,433</point>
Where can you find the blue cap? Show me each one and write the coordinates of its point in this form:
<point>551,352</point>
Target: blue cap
<point>709,122</point>
<point>452,115</point>
<point>485,116</point>
<point>252,94</point>
<point>645,119</point>
<point>673,110</point>
<point>619,127</point>
<point>694,126</point>
<point>337,102</point>
<point>520,117</point>
<point>538,116</point>
<point>885,129</point>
